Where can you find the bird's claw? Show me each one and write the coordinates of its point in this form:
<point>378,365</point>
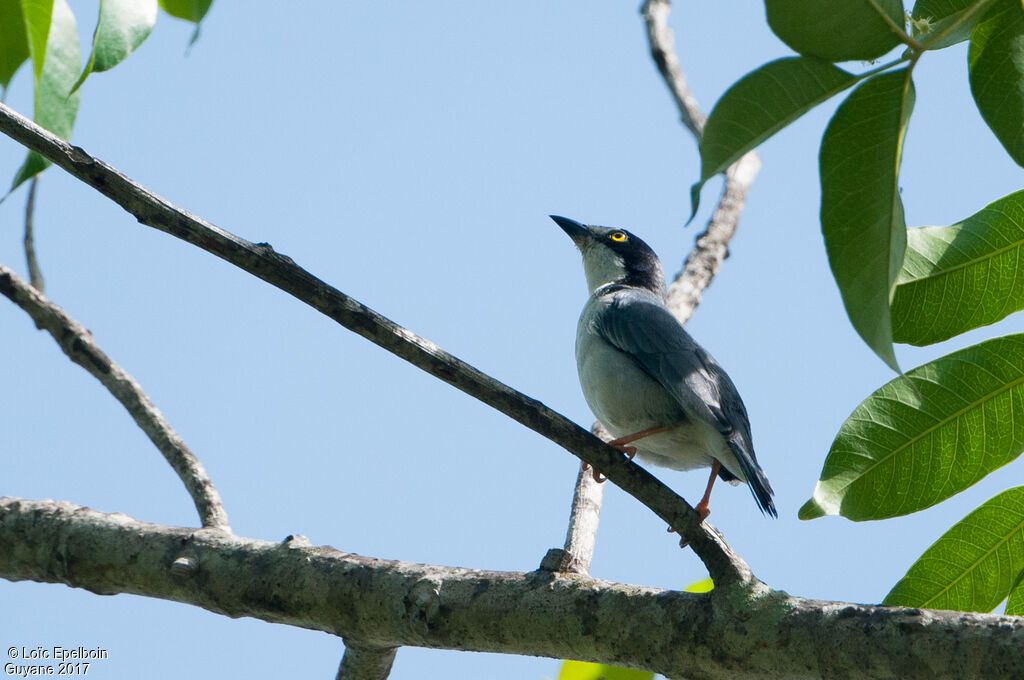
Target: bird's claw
<point>598,477</point>
<point>702,511</point>
<point>630,452</point>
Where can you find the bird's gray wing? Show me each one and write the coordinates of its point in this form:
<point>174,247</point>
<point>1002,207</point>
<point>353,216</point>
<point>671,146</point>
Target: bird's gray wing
<point>641,327</point>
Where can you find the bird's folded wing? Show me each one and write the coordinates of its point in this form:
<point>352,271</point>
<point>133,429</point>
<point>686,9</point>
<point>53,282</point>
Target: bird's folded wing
<point>657,342</point>
<point>647,332</point>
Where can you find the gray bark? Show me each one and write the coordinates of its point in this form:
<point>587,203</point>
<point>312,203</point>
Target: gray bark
<point>741,631</point>
<point>366,662</point>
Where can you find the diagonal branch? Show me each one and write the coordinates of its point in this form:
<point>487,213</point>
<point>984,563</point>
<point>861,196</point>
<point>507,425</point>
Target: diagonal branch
<point>78,344</point>
<point>384,604</point>
<point>262,261</point>
<point>712,245</point>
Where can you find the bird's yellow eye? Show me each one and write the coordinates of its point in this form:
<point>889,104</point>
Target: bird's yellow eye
<point>618,237</point>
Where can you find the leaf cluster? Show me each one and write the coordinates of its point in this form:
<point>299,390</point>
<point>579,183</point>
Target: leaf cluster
<point>45,32</point>
<point>938,429</point>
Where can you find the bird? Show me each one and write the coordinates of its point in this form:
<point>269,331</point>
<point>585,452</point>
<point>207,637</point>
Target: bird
<point>660,394</point>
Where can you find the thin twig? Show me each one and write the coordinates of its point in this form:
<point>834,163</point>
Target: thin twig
<point>262,261</point>
<point>78,344</point>
<point>35,274</point>
<point>366,662</point>
<point>663,52</point>
<point>712,245</point>
<point>587,497</point>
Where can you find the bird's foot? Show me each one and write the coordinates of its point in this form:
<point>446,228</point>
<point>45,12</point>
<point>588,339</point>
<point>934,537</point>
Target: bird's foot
<point>598,477</point>
<point>702,511</point>
<point>630,452</point>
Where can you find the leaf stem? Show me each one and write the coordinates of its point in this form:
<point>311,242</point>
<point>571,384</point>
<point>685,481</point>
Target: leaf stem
<point>897,29</point>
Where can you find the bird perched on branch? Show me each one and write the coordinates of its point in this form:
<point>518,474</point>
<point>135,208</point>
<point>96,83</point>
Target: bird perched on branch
<point>658,392</point>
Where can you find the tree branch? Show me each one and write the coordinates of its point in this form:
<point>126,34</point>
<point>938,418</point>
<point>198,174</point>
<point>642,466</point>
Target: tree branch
<point>35,274</point>
<point>584,517</point>
<point>712,245</point>
<point>663,52</point>
<point>79,346</point>
<point>724,566</point>
<point>366,662</point>
<point>739,634</point>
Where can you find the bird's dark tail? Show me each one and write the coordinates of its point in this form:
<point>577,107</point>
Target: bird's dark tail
<point>756,479</point>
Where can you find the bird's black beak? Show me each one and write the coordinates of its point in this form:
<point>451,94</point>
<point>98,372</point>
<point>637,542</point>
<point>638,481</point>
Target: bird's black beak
<point>576,231</point>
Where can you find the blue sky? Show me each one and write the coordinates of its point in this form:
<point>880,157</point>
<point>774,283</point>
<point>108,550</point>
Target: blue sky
<point>409,154</point>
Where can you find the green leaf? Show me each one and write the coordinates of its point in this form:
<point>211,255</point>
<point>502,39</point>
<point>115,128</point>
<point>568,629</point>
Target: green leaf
<point>861,210</point>
<point>910,446</point>
<point>190,10</point>
<point>975,564</point>
<point>941,9</point>
<point>13,41</point>
<point>836,30</point>
<point>54,109</point>
<point>948,22</point>
<point>1015,603</point>
<point>122,26</point>
<point>581,670</point>
<point>37,15</point>
<point>762,103</point>
<point>961,277</point>
<point>995,64</point>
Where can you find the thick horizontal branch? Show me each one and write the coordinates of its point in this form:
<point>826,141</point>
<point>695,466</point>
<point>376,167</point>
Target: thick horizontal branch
<point>78,344</point>
<point>262,261</point>
<point>725,634</point>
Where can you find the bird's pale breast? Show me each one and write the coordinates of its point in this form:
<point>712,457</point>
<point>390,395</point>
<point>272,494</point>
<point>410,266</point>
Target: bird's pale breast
<point>626,400</point>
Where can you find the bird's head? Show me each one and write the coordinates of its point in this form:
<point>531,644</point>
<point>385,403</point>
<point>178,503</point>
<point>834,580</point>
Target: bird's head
<point>614,256</point>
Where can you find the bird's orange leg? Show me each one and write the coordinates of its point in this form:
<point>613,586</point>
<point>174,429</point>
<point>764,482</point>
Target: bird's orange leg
<point>630,451</point>
<point>702,508</point>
